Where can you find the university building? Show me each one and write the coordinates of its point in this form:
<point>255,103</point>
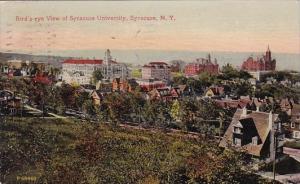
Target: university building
<point>80,71</point>
<point>264,63</point>
<point>201,65</point>
<point>156,70</point>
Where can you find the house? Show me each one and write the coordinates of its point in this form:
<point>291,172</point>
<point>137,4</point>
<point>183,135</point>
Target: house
<point>42,78</point>
<point>160,94</point>
<point>176,92</point>
<point>164,94</point>
<point>296,85</point>
<point>252,81</point>
<point>286,82</point>
<point>147,85</point>
<point>6,94</point>
<point>295,121</point>
<point>254,132</point>
<point>104,85</point>
<point>9,103</point>
<point>286,105</point>
<point>227,103</point>
<point>214,91</point>
<point>123,85</point>
<point>96,97</point>
<point>185,90</point>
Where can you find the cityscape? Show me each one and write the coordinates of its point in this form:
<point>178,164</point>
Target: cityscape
<point>102,118</point>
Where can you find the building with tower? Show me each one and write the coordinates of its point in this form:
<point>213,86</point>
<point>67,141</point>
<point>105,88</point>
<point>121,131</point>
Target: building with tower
<point>201,65</point>
<point>264,63</point>
<point>80,71</point>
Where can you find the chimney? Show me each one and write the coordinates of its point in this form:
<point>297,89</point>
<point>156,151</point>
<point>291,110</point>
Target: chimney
<point>270,120</point>
<point>272,134</point>
<point>244,113</point>
<point>257,108</point>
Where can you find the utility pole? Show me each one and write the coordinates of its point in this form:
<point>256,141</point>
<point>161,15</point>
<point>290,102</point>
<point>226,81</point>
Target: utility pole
<point>274,161</point>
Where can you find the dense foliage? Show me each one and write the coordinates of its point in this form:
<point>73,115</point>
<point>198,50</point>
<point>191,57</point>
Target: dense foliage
<point>65,151</point>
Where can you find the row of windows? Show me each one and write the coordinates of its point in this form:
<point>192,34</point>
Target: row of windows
<point>238,141</point>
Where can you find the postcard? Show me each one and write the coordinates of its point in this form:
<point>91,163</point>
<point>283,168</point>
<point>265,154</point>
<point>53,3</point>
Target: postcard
<point>150,92</point>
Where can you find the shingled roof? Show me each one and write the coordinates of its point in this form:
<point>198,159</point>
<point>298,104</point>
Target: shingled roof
<point>254,123</point>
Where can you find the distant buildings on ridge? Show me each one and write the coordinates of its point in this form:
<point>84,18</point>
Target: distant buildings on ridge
<point>260,66</point>
<point>156,70</point>
<point>201,65</point>
<point>152,75</point>
<point>80,71</point>
<point>264,63</point>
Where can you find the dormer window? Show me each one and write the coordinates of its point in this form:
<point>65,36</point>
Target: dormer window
<point>237,141</point>
<point>237,130</point>
<point>292,125</point>
<point>254,140</point>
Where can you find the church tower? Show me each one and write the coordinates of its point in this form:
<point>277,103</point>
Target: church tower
<point>268,55</point>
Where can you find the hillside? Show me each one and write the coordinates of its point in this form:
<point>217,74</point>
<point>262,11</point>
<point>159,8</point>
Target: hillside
<point>53,60</point>
<point>65,151</point>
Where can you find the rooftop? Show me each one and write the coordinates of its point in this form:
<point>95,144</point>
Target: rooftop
<point>83,61</point>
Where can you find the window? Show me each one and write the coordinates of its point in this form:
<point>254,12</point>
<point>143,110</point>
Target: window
<point>237,130</point>
<point>254,140</point>
<point>292,125</point>
<point>296,134</point>
<point>237,141</point>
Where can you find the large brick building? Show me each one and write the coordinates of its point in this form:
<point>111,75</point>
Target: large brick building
<point>201,65</point>
<point>156,70</point>
<point>264,63</point>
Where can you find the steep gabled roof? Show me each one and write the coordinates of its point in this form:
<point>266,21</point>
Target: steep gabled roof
<point>260,120</point>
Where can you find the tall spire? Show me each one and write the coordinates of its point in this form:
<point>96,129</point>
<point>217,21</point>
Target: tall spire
<point>268,54</point>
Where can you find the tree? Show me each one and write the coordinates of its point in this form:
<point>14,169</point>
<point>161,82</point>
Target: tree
<point>88,107</point>
<point>229,73</point>
<point>81,98</point>
<point>117,107</point>
<point>188,109</point>
<point>97,76</point>
<point>179,80</point>
<point>175,110</point>
<point>207,79</point>
<point>68,95</point>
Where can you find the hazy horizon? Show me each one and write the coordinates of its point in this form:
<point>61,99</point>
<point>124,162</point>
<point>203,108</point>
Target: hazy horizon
<point>285,61</point>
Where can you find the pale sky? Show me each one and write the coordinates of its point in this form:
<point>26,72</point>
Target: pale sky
<point>237,26</point>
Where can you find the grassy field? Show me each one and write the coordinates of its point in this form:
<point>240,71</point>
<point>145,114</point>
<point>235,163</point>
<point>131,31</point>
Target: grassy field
<point>37,150</point>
